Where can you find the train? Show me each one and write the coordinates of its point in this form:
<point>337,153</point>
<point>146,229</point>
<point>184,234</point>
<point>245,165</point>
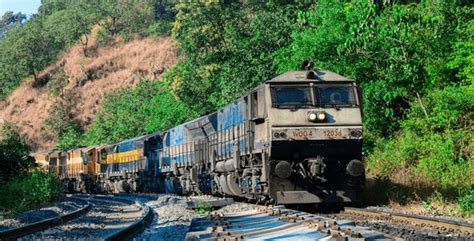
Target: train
<point>294,139</point>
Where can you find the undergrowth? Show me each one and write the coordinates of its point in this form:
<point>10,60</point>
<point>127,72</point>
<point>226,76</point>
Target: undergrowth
<point>430,158</point>
<point>28,191</point>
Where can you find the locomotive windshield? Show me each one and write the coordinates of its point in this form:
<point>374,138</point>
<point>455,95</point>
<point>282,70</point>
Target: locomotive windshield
<point>284,96</point>
<point>291,96</point>
<point>336,96</point>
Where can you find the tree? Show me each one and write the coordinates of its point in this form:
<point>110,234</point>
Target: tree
<point>60,118</point>
<point>228,48</point>
<point>57,83</point>
<point>35,47</point>
<point>69,26</point>
<point>130,112</point>
<point>11,21</point>
<point>126,17</point>
<point>14,153</point>
<point>396,52</point>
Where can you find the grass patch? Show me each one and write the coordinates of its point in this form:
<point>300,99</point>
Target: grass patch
<point>203,207</point>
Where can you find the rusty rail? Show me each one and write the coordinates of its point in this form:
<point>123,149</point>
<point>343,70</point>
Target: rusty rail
<point>450,225</point>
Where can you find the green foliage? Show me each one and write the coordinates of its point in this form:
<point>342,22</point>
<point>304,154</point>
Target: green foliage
<point>129,112</point>
<point>159,29</point>
<point>15,156</point>
<point>66,26</point>
<point>28,191</point>
<point>415,64</point>
<point>203,207</point>
<point>60,119</point>
<point>462,59</point>
<point>394,50</point>
<point>70,139</point>
<point>103,38</point>
<point>126,17</point>
<point>437,146</point>
<point>466,202</point>
<point>228,49</point>
<point>27,50</point>
<point>57,83</point>
<point>10,21</point>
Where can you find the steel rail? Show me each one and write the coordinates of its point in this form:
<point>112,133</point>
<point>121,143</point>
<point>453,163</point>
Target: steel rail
<point>415,219</point>
<point>266,223</point>
<point>15,233</point>
<point>135,227</point>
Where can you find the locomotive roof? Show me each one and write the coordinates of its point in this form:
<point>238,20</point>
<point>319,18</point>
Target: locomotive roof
<point>322,75</point>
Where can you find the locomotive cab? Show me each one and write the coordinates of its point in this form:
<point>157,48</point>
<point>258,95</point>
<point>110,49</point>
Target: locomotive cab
<point>315,131</point>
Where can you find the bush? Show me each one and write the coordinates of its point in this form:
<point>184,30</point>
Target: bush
<point>466,202</point>
<point>15,156</point>
<point>436,146</point>
<point>70,139</point>
<point>103,38</point>
<point>57,83</point>
<point>159,29</point>
<point>28,191</point>
<point>60,119</point>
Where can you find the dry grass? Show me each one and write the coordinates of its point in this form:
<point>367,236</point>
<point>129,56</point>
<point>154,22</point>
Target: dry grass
<point>408,191</point>
<point>90,78</point>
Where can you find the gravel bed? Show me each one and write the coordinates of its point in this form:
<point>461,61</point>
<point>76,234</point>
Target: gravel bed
<point>172,218</point>
<point>40,214</point>
<point>171,221</point>
<point>236,208</point>
<point>104,219</point>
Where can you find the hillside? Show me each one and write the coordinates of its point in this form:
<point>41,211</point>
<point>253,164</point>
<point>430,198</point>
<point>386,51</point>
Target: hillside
<point>90,78</point>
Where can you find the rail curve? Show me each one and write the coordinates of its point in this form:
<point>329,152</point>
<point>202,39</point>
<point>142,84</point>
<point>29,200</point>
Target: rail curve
<point>24,230</point>
<point>109,218</point>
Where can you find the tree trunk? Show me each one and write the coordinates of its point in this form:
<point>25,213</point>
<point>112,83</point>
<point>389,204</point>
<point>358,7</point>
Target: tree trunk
<point>33,72</point>
<point>421,104</point>
<point>85,43</point>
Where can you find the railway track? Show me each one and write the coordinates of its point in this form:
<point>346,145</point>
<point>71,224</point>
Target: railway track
<point>108,218</point>
<point>122,216</point>
<point>417,220</point>
<point>23,230</point>
<point>409,226</point>
<point>269,223</point>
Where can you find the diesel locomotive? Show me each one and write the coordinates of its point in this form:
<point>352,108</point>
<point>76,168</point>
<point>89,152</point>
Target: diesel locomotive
<point>294,139</point>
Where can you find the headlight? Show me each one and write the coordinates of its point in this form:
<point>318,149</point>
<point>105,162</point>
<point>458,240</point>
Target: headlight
<point>276,134</point>
<point>321,115</point>
<point>316,116</point>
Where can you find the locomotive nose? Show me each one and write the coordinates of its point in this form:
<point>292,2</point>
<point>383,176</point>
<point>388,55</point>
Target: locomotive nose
<point>355,168</point>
